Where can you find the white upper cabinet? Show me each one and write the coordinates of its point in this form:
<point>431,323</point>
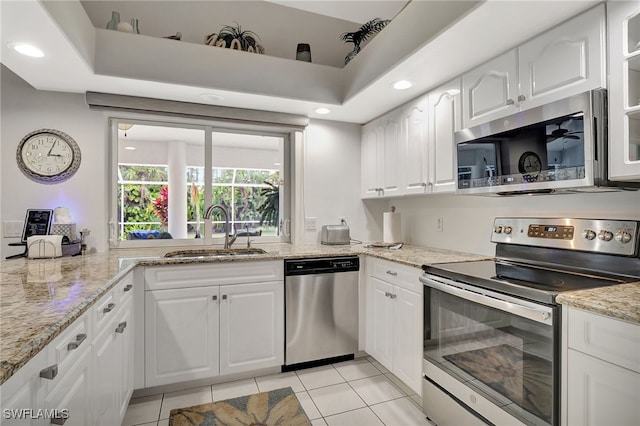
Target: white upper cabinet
<point>415,140</point>
<point>381,157</point>
<point>490,90</point>
<point>624,90</point>
<point>371,186</point>
<point>444,120</point>
<point>561,62</point>
<point>564,61</point>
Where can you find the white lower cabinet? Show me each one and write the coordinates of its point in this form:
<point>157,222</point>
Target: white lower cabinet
<point>395,319</point>
<point>208,330</point>
<point>251,326</point>
<point>602,370</point>
<point>23,390</point>
<point>181,334</point>
<point>74,393</point>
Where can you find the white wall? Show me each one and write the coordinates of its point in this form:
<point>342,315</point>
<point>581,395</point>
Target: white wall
<point>468,220</point>
<point>24,110</point>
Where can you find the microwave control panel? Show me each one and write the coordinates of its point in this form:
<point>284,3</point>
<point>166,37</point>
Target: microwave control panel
<point>595,235</point>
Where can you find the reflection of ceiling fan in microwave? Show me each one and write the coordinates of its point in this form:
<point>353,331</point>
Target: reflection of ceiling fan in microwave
<point>562,133</point>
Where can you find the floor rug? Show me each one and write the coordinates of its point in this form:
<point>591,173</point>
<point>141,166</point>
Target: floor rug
<point>523,378</point>
<point>274,408</point>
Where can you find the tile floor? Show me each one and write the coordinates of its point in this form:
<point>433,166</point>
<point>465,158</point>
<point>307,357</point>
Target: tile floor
<point>358,392</point>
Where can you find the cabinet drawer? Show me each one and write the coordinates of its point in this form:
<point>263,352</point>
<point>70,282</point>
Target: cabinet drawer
<point>394,273</point>
<point>183,276</point>
<point>105,309</point>
<point>65,349</point>
<point>124,289</point>
<point>606,338</point>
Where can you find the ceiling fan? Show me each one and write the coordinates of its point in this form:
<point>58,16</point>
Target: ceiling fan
<point>562,133</point>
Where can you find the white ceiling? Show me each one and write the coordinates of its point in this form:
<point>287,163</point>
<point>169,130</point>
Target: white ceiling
<point>428,42</point>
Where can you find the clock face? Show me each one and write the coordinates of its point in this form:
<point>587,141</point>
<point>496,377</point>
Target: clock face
<point>529,162</point>
<point>48,156</point>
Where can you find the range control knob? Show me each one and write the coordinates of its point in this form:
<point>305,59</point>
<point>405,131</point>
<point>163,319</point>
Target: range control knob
<point>605,235</point>
<point>588,234</point>
<point>623,236</point>
<point>497,229</point>
<point>508,230</point>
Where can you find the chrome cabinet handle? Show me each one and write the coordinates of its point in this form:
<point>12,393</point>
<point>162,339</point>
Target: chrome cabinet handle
<point>121,327</point>
<point>50,372</point>
<point>393,296</point>
<point>109,308</point>
<point>214,297</point>
<point>522,98</point>
<point>128,287</point>
<point>392,273</point>
<point>423,184</point>
<point>79,339</point>
<point>59,420</point>
<point>510,102</point>
<point>387,294</point>
<point>224,297</point>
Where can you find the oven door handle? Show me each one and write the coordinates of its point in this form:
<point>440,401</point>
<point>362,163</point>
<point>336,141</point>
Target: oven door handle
<point>539,314</point>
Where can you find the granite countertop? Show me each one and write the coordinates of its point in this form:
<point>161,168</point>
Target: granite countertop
<point>619,301</point>
<point>39,298</point>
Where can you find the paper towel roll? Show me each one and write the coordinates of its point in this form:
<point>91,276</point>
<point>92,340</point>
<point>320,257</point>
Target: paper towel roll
<point>391,228</point>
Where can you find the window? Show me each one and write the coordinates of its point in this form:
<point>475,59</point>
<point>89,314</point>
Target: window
<point>166,175</point>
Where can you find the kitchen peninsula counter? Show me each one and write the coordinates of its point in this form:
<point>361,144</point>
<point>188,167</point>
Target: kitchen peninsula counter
<point>39,298</point>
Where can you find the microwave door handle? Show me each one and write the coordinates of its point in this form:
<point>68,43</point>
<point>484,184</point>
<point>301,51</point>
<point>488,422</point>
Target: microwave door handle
<point>539,315</point>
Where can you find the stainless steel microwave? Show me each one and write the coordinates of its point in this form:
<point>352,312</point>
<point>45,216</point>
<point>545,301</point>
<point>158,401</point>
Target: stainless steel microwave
<point>560,146</point>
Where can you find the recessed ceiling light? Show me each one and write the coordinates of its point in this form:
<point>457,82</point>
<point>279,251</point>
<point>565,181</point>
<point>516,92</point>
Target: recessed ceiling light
<point>402,84</point>
<point>211,97</point>
<point>322,110</point>
<point>27,49</point>
<point>130,148</point>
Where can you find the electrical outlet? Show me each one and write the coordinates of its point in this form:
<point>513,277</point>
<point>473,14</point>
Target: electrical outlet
<point>439,224</point>
<point>310,223</point>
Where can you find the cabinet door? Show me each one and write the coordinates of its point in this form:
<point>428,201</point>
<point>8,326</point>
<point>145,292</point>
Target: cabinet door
<point>624,90</point>
<point>415,157</point>
<point>444,121</point>
<point>370,168</point>
<point>380,333</point>
<point>73,392</point>
<point>22,391</point>
<point>124,336</point>
<point>391,155</point>
<point>564,61</point>
<point>251,326</point>
<point>181,335</point>
<point>108,371</point>
<point>490,90</point>
<point>600,393</point>
<point>408,344</point>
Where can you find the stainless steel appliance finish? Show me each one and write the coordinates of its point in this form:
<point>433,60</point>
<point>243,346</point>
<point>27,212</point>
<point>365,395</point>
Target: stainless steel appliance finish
<point>561,146</point>
<point>335,234</point>
<point>492,328</point>
<point>321,309</point>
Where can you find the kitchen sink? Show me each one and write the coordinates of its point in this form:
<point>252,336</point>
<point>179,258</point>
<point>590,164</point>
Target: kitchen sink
<point>214,252</point>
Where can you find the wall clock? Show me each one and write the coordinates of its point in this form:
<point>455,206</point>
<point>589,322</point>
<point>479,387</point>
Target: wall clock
<point>48,156</point>
<point>530,166</point>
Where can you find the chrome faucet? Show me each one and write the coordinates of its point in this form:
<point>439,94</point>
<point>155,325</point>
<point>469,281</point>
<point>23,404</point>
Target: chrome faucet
<point>207,215</point>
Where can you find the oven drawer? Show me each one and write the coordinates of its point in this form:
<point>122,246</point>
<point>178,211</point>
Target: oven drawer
<point>606,338</point>
<point>469,397</point>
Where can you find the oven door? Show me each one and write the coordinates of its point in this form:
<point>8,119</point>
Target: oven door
<point>493,357</point>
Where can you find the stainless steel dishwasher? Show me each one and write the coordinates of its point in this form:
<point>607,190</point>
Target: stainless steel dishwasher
<point>321,310</point>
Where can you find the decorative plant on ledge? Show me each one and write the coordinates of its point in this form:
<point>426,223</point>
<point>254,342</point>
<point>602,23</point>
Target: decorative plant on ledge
<point>357,37</point>
<point>269,209</point>
<point>234,37</point>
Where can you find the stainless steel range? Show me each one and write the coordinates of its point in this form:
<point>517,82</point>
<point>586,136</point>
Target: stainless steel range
<point>492,328</point>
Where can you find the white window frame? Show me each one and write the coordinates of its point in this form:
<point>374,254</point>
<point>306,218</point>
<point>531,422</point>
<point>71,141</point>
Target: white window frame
<point>209,128</point>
